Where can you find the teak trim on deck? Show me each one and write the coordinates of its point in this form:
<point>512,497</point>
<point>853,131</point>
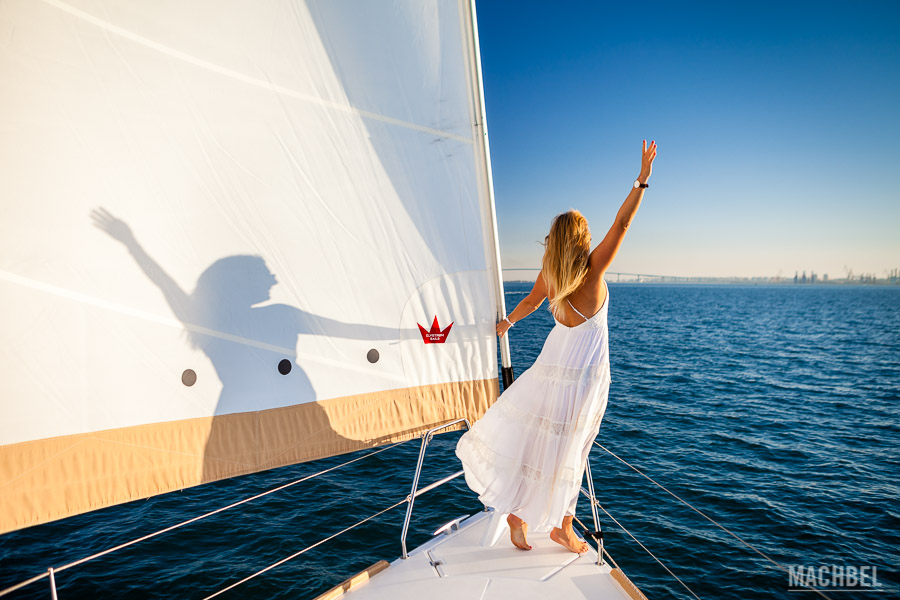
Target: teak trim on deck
<point>355,581</point>
<point>629,588</point>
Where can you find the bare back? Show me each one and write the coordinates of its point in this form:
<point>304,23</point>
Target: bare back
<point>587,299</point>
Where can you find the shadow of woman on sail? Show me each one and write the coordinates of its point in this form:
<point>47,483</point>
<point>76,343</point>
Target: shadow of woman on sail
<point>253,350</point>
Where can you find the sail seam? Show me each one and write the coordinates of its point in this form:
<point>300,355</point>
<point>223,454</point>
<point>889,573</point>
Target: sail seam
<point>273,460</point>
<point>153,318</point>
<point>42,463</point>
<point>167,451</point>
<point>140,314</point>
<point>238,76</point>
<point>105,304</point>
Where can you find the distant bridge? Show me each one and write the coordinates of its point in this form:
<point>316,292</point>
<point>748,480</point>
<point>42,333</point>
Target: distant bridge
<point>645,277</point>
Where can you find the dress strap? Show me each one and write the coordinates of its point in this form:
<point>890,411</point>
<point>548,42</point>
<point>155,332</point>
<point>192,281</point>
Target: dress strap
<point>577,311</point>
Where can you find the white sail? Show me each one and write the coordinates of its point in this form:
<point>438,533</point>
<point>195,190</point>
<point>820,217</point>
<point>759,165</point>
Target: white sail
<point>223,225</point>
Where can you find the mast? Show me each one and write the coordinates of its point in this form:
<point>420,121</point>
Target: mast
<point>484,144</point>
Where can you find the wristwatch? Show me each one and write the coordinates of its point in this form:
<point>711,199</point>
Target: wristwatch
<point>638,184</point>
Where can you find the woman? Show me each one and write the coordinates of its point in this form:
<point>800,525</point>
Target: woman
<point>526,456</point>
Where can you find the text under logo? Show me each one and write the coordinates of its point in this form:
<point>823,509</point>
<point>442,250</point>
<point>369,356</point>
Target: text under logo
<point>435,335</point>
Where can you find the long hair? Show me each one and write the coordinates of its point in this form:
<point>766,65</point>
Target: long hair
<point>566,252</point>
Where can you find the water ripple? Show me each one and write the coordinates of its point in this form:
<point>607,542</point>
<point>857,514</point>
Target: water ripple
<point>773,409</point>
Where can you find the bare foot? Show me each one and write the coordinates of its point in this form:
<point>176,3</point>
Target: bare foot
<point>567,539</point>
<point>518,529</point>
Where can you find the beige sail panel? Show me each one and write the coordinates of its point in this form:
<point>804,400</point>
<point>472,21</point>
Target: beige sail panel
<point>50,479</point>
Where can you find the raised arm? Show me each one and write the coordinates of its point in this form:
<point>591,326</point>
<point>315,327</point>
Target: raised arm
<point>528,305</point>
<point>603,255</point>
<point>309,323</point>
<point>119,230</point>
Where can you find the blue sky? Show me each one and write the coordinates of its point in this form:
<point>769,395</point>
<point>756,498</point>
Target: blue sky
<point>776,125</point>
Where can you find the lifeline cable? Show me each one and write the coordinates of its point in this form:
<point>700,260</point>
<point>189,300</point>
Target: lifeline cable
<point>296,554</point>
<point>704,515</point>
<point>189,521</point>
<point>645,549</point>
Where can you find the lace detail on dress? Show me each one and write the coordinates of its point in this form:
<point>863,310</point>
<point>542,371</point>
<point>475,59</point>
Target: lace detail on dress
<point>526,454</point>
<point>531,473</point>
<point>472,446</point>
<point>570,375</point>
<point>544,425</point>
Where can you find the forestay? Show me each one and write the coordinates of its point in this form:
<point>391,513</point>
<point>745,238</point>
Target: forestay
<point>229,230</point>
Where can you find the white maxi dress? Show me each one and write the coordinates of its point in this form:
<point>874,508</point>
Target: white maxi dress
<point>526,455</point>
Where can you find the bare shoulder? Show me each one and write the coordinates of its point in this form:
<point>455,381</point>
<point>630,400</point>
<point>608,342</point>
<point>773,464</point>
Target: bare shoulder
<point>595,274</point>
<point>538,290</point>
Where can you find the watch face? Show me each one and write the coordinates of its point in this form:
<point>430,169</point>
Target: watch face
<point>637,184</point>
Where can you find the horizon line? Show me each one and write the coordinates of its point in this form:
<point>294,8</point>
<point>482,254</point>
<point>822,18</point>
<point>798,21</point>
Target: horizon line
<point>863,276</point>
<point>893,277</point>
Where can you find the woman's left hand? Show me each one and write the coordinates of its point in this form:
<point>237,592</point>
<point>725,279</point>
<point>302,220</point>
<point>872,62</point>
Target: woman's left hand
<point>502,328</point>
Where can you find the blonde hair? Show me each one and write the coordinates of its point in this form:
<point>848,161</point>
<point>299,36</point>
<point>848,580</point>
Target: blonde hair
<point>566,252</point>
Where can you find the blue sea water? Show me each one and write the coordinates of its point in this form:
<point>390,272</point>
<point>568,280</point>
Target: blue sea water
<point>773,409</point>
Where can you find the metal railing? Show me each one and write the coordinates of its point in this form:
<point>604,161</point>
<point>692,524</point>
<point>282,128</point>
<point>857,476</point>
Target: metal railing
<point>415,492</point>
<point>52,571</point>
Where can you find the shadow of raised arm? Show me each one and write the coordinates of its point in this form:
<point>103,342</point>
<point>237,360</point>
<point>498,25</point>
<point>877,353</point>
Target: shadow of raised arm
<point>118,230</point>
<point>312,324</point>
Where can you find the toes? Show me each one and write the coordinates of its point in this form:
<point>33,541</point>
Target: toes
<point>518,540</point>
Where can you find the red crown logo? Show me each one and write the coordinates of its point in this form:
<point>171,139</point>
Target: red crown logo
<point>435,335</point>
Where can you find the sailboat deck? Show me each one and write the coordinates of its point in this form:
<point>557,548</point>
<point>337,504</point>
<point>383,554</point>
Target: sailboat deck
<point>456,566</point>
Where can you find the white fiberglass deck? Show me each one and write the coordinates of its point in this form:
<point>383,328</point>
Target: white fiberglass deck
<point>455,566</point>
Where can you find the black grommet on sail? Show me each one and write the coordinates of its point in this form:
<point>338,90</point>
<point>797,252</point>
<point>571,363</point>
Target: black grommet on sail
<point>372,356</point>
<point>284,367</point>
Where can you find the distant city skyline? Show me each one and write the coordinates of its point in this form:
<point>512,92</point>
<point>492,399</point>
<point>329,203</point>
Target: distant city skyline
<point>800,277</point>
<point>775,124</point>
